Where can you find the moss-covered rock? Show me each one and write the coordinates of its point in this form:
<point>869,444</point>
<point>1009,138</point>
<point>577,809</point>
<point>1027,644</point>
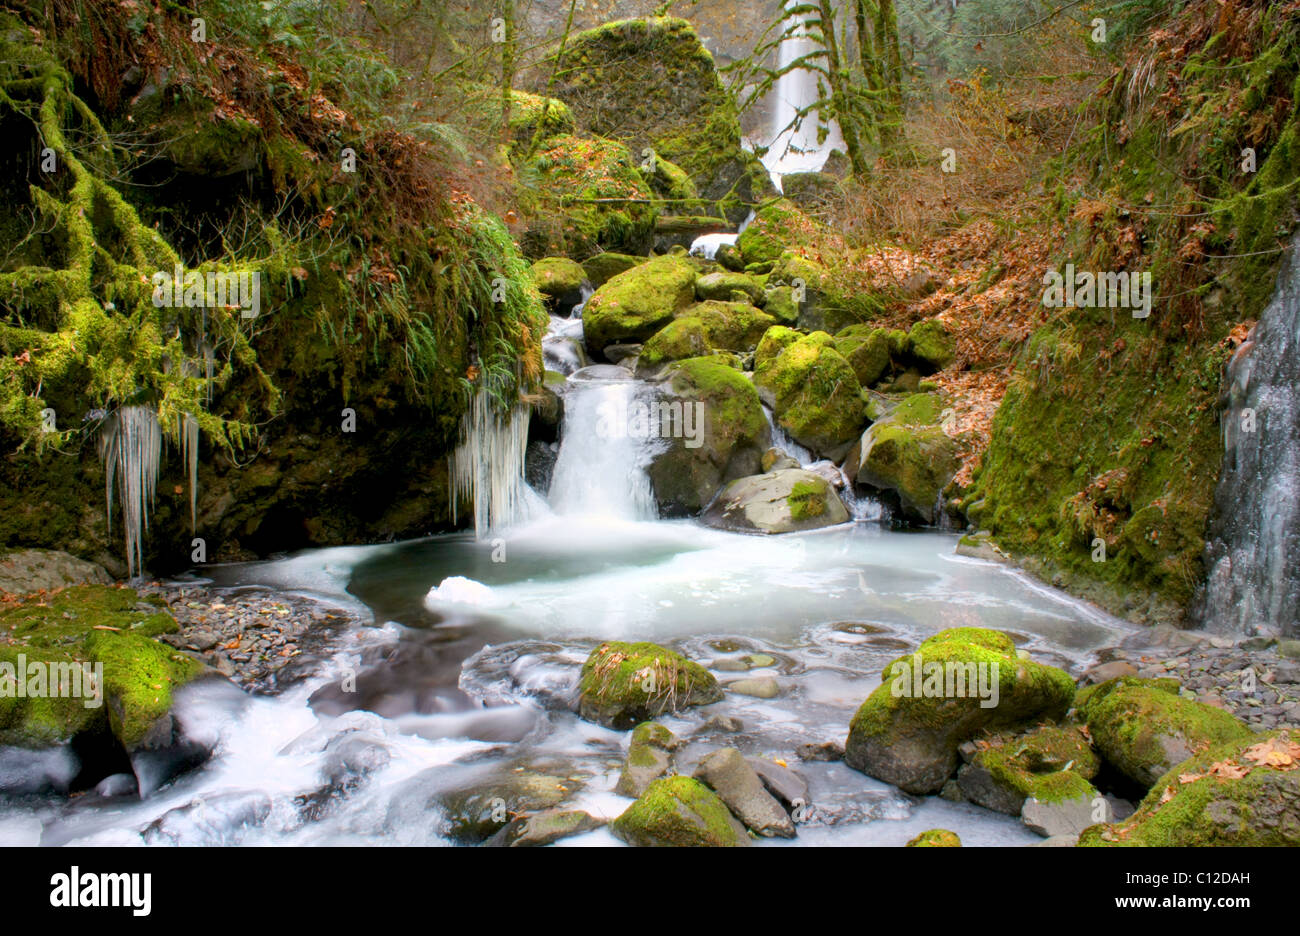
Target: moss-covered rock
<point>1244,792</point>
<point>931,345</point>
<point>867,351</point>
<point>775,228</point>
<point>782,305</point>
<point>935,838</point>
<point>679,811</point>
<point>701,329</point>
<point>1049,763</point>
<point>909,455</point>
<point>649,757</point>
<point>528,111</point>
<point>775,340</point>
<point>485,805</point>
<point>783,501</point>
<point>1145,728</point>
<point>604,266</point>
<point>591,197</point>
<point>651,84</point>
<point>624,684</point>
<point>815,395</point>
<point>907,731</point>
<point>688,472</point>
<point>635,304</point>
<point>560,281</point>
<point>723,286</point>
<point>68,634</point>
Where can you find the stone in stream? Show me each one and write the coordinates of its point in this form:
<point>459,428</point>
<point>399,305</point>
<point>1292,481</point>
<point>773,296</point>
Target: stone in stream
<point>624,684</point>
<point>687,472</point>
<point>776,460</point>
<point>814,394</point>
<point>679,811</point>
<point>782,782</point>
<point>935,838</point>
<point>726,724</point>
<point>480,807</point>
<point>909,738</point>
<point>1049,763</point>
<point>635,304</point>
<point>760,687</point>
<point>909,454</point>
<point>786,501</point>
<point>543,828</point>
<point>741,788</point>
<point>1144,728</point>
<point>649,757</point>
<point>1067,816</point>
<point>825,752</point>
<point>1244,792</point>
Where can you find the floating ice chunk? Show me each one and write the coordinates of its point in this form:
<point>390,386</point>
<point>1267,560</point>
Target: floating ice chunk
<point>460,590</point>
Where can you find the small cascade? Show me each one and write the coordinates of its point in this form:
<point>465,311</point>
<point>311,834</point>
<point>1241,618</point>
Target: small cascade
<point>782,440</point>
<point>562,349</point>
<point>797,148</point>
<point>706,245</point>
<point>862,507</point>
<point>487,467</point>
<point>130,446</point>
<point>601,468</point>
<point>1253,552</point>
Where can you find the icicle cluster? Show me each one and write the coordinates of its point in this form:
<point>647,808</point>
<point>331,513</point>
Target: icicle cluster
<point>487,467</point>
<point>130,446</point>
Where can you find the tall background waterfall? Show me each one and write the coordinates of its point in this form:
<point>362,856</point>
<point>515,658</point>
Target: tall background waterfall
<point>1253,556</point>
<point>797,149</point>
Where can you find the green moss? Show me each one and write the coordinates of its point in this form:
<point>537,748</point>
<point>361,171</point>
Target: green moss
<point>931,344</point>
<point>775,340</point>
<point>1193,805</point>
<point>633,305</point>
<point>733,405</point>
<point>867,351</point>
<point>1049,763</point>
<point>816,395</point>
<point>775,228</point>
<point>935,838</point>
<point>558,276</point>
<point>603,267</point>
<point>722,286</point>
<point>623,684</point>
<point>1145,730</point>
<point>807,499</point>
<point>915,462</point>
<point>95,624</point>
<point>679,811</point>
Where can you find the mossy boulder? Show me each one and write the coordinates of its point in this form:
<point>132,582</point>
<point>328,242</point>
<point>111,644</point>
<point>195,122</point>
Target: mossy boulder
<point>1244,792</point>
<point>649,757</point>
<point>824,302</point>
<point>935,838</point>
<point>815,395</point>
<point>688,472</point>
<point>591,197</point>
<point>624,684</point>
<point>560,282</point>
<point>1144,728</point>
<point>783,501</point>
<point>1049,763</point>
<point>931,345</point>
<point>679,811</point>
<point>775,228</point>
<point>775,340</point>
<point>701,329</point>
<point>908,730</point>
<point>671,183</point>
<point>78,628</point>
<point>867,351</point>
<point>635,304</point>
<point>528,111</point>
<point>544,828</point>
<point>723,286</point>
<point>909,455</point>
<point>651,84</point>
<point>603,267</point>
<point>782,305</point>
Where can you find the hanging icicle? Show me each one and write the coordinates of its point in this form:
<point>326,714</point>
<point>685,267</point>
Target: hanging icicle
<point>130,446</point>
<point>487,467</point>
<point>188,430</point>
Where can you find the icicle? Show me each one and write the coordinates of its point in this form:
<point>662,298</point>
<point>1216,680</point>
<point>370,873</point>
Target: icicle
<point>188,430</point>
<point>488,465</point>
<point>130,445</point>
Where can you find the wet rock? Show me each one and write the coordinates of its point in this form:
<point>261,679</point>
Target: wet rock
<point>543,828</point>
<point>219,819</point>
<point>935,838</point>
<point>649,757</point>
<point>1106,671</point>
<point>824,752</point>
<point>679,811</point>
<point>477,810</point>
<point>776,460</point>
<point>726,724</point>
<point>119,784</point>
<point>785,501</point>
<point>624,684</point>
<point>782,782</point>
<point>760,687</point>
<point>738,784</point>
<point>1068,816</point>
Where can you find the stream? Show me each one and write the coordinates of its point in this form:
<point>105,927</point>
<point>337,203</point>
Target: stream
<point>466,651</point>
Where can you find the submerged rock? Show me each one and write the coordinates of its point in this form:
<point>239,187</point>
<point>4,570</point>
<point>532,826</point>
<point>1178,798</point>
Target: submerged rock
<point>907,731</point>
<point>543,828</point>
<point>624,684</point>
<point>739,786</point>
<point>1144,728</point>
<point>679,811</point>
<point>784,501</point>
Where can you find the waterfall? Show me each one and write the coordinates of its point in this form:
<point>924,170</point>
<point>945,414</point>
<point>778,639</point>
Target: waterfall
<point>797,149</point>
<point>487,467</point>
<point>601,468</point>
<point>1253,554</point>
<point>130,445</point>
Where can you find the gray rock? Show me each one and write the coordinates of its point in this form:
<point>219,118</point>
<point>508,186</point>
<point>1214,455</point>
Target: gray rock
<point>29,570</point>
<point>782,782</point>
<point>784,501</point>
<point>1112,670</point>
<point>649,757</point>
<point>721,723</point>
<point>543,828</point>
<point>980,787</point>
<point>1057,841</point>
<point>826,751</point>
<point>741,788</point>
<point>760,687</point>
<point>1064,817</point>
